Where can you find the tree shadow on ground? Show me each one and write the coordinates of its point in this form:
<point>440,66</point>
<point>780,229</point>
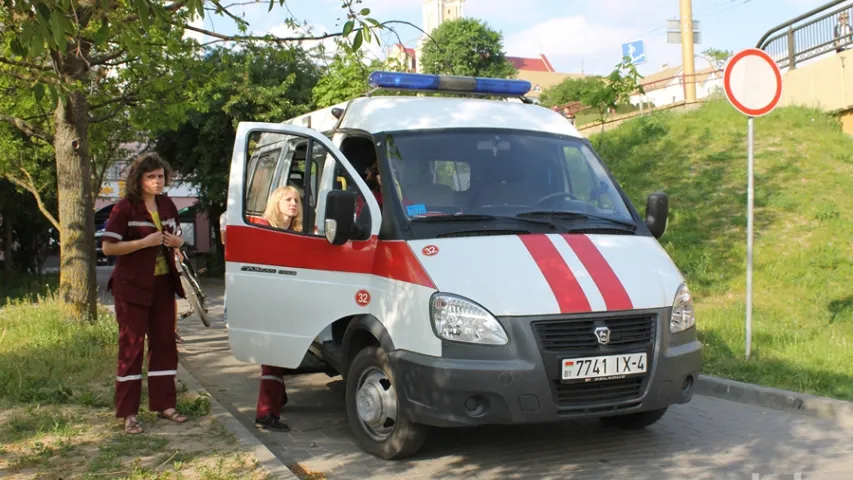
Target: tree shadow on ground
<point>843,306</point>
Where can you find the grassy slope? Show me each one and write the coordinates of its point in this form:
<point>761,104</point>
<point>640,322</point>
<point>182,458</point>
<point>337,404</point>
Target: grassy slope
<point>803,263</point>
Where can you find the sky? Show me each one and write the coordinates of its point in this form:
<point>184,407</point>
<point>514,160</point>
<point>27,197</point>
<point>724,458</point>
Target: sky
<point>577,36</point>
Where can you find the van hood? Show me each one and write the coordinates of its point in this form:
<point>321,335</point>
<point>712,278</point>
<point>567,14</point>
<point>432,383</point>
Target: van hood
<point>541,274</point>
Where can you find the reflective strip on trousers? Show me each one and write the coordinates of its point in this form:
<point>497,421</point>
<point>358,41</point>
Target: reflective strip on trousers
<point>129,378</point>
<point>162,373</point>
<point>272,377</point>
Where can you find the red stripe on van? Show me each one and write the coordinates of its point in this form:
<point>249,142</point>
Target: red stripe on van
<point>567,291</point>
<point>611,288</point>
<point>261,246</point>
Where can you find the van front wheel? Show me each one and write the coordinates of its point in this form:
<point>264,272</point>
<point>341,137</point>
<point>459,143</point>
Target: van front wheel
<point>373,409</point>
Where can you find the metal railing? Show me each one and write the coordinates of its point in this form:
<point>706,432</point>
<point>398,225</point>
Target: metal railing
<point>807,36</point>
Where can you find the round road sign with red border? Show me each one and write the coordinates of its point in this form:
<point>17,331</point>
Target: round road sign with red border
<point>753,82</point>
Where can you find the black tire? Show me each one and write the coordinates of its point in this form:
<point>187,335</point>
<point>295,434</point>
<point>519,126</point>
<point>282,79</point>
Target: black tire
<point>405,438</point>
<point>195,301</point>
<point>635,421</point>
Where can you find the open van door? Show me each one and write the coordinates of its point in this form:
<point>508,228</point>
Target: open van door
<point>285,287</point>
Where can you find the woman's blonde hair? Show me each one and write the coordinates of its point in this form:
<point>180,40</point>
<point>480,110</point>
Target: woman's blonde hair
<point>273,214</point>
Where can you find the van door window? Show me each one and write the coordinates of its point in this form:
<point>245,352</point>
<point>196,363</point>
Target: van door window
<point>331,175</point>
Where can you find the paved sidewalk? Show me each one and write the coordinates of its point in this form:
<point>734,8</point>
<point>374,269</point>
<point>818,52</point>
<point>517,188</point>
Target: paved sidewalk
<point>708,438</point>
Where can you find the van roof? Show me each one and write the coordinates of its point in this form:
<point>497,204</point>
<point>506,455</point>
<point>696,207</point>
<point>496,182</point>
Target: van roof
<point>395,113</point>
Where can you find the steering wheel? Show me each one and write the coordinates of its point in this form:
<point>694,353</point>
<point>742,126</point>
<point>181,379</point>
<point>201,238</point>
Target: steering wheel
<point>556,195</point>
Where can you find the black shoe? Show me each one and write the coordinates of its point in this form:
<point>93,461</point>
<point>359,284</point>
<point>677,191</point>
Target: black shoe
<point>271,423</point>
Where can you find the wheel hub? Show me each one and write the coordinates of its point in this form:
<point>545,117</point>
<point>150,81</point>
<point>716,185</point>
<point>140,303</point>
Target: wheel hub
<point>376,402</point>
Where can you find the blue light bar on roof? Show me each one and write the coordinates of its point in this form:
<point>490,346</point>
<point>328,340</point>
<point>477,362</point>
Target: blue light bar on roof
<point>448,83</point>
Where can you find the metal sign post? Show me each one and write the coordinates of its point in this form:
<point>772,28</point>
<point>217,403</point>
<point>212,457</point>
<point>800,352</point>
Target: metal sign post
<point>750,197</point>
<point>753,85</point>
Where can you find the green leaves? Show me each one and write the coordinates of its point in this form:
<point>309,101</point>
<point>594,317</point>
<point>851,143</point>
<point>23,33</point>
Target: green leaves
<point>38,91</point>
<point>102,34</point>
<point>359,38</point>
<point>359,22</point>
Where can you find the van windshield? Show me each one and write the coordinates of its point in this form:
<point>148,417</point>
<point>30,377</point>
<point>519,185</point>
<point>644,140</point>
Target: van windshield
<point>464,173</point>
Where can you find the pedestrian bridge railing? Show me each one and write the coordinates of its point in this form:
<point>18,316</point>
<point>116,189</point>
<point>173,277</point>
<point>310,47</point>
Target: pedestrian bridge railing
<point>809,35</point>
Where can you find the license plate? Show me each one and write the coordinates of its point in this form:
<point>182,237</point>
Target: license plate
<point>598,368</point>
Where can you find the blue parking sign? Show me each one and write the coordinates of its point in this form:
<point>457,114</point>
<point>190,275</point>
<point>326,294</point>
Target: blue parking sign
<point>636,51</point>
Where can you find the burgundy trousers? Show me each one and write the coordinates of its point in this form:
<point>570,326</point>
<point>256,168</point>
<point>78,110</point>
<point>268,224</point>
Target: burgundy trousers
<point>272,395</point>
<point>158,323</point>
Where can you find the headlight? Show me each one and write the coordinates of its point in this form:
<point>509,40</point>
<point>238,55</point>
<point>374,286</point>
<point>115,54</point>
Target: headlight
<point>682,311</point>
<point>460,320</point>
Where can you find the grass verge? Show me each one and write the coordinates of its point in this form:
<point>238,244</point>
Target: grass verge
<point>803,263</point>
<point>57,413</point>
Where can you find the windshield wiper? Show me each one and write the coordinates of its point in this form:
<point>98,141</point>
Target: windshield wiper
<point>473,217</point>
<point>569,215</point>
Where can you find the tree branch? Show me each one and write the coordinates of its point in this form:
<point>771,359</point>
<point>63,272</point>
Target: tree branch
<point>106,58</point>
<point>174,7</point>
<point>28,129</point>
<point>29,186</point>
<point>29,79</point>
<point>112,113</point>
<point>127,97</point>
<point>220,8</point>
<point>32,66</point>
<point>243,38</point>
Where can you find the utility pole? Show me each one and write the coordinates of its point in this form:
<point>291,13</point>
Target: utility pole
<point>688,70</point>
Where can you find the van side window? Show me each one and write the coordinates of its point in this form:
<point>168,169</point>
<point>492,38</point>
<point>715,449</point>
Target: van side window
<point>260,182</point>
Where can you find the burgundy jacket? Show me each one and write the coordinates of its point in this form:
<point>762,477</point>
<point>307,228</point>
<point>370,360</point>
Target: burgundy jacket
<point>132,280</point>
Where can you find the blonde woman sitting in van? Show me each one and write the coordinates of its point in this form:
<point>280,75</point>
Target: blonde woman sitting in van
<point>284,211</point>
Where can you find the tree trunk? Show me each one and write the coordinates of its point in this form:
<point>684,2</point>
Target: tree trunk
<point>7,243</point>
<point>77,278</point>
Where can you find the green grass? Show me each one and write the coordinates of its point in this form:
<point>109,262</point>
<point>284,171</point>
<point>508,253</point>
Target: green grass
<point>57,415</point>
<point>803,251</point>
<point>47,359</point>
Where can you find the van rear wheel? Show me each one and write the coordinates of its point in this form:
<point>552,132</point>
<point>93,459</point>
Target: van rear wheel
<point>635,421</point>
<point>373,409</point>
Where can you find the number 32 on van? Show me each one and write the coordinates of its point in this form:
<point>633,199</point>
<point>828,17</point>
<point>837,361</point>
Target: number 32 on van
<point>603,368</point>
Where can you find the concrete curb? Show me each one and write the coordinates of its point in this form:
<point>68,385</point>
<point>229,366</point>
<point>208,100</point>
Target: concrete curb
<point>788,401</point>
<point>248,442</point>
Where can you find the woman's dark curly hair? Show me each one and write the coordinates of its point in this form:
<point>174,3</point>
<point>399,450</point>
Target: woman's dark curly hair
<point>145,163</point>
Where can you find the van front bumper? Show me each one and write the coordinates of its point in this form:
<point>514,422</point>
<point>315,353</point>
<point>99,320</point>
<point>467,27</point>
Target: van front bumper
<point>519,383</point>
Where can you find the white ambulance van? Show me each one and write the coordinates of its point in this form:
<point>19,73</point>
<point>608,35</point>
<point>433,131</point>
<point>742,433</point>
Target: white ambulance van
<point>489,270</point>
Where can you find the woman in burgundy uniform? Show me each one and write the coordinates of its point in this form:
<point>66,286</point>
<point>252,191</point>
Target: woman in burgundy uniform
<point>284,211</point>
<point>142,233</point>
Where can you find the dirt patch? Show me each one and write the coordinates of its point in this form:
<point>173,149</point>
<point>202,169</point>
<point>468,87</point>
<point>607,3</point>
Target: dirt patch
<point>58,442</point>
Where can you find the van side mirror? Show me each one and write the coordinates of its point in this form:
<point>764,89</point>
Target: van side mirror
<point>657,213</point>
<point>340,216</point>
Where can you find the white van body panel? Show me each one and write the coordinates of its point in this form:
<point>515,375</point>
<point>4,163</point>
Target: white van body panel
<point>382,114</point>
<point>503,276</point>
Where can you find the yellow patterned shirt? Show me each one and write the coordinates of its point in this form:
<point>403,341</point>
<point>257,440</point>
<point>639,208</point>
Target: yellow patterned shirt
<point>161,267</point>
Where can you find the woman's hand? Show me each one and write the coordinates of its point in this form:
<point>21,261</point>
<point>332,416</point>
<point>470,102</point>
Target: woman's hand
<point>153,240</point>
<point>172,241</point>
